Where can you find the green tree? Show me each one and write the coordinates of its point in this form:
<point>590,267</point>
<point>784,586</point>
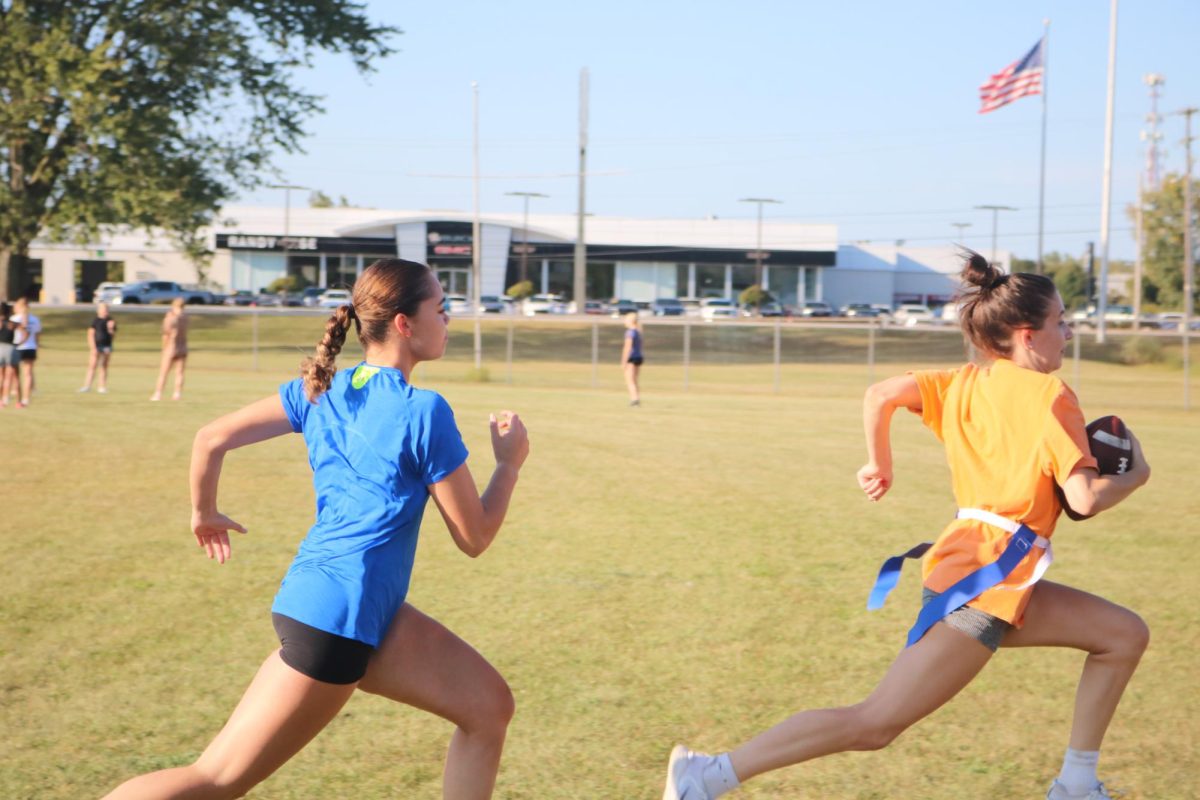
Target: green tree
<point>519,291</point>
<point>318,199</point>
<point>1162,257</point>
<point>152,113</point>
<point>754,296</point>
<point>1068,273</point>
<point>288,284</point>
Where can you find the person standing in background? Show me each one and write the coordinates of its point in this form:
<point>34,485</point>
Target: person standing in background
<point>8,353</point>
<point>100,335</point>
<point>631,356</point>
<point>27,349</point>
<point>174,350</point>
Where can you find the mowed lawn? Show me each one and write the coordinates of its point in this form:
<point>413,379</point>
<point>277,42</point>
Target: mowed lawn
<point>692,570</point>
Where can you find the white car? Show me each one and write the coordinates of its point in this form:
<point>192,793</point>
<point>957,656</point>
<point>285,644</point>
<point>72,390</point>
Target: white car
<point>909,314</point>
<point>334,298</point>
<point>543,304</point>
<point>107,292</point>
<point>457,304</point>
<point>715,308</point>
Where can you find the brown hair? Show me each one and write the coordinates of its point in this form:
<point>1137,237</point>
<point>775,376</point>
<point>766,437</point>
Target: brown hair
<point>388,287</point>
<point>993,304</point>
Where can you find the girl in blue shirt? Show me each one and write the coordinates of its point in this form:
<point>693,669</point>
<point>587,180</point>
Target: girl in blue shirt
<point>631,356</point>
<point>379,448</point>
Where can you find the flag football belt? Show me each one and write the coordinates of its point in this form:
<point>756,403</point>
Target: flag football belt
<point>1020,542</point>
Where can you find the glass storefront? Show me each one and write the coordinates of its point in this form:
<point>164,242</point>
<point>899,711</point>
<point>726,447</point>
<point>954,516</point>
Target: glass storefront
<point>710,280</point>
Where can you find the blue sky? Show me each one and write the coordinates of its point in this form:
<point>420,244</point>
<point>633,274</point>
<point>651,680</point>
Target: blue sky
<point>861,113</point>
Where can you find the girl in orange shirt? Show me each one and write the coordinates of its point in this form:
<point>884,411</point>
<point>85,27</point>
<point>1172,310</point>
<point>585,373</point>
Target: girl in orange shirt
<point>1012,432</point>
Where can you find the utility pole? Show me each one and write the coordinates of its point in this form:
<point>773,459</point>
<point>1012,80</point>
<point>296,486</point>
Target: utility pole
<point>995,218</point>
<point>758,251</point>
<point>1106,191</point>
<point>1188,256</point>
<point>580,242</point>
<point>525,230</point>
<point>1148,179</point>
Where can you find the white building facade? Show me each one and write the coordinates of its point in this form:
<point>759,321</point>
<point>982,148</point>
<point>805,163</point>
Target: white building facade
<point>627,258</point>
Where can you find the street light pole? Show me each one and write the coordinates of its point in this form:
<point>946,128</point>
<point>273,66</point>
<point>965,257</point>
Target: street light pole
<point>961,227</point>
<point>995,218</point>
<point>287,219</point>
<point>525,230</point>
<point>758,251</point>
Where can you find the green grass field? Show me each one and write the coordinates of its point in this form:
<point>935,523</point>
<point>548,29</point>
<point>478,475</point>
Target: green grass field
<point>693,570</point>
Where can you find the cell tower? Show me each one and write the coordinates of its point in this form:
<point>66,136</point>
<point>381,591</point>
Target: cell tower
<point>1152,137</point>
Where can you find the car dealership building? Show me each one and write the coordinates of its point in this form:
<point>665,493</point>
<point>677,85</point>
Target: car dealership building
<point>630,258</point>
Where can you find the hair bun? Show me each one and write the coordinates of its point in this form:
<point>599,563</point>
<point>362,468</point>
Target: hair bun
<point>978,272</point>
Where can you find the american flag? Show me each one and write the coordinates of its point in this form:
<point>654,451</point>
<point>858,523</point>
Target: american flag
<point>1016,80</point>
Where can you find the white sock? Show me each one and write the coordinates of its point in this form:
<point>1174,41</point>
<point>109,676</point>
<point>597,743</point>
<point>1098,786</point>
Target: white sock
<point>718,775</point>
<point>1078,774</point>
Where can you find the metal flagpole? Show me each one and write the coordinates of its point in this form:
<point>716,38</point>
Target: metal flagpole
<point>580,265</point>
<point>476,227</point>
<point>1042,182</point>
<point>1106,202</point>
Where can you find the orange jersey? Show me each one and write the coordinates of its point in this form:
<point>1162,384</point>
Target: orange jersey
<point>1010,434</point>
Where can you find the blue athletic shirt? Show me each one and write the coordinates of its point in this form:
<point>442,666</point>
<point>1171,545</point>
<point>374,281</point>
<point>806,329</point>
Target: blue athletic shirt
<point>635,351</point>
<point>375,445</point>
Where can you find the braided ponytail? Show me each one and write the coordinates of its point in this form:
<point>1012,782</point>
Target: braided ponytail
<point>388,287</point>
<point>318,369</point>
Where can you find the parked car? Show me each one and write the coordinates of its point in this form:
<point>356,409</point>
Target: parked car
<point>816,308</point>
<point>242,297</point>
<point>619,308</point>
<point>667,307</point>
<point>860,310</point>
<point>543,304</point>
<point>1115,315</point>
<point>1173,321</point>
<point>107,292</point>
<point>715,308</point>
<point>311,296</point>
<point>493,304</point>
<point>691,306</point>
<point>457,304</point>
<point>909,314</point>
<point>332,298</point>
<point>160,292</point>
<point>767,309</point>
<point>595,307</point>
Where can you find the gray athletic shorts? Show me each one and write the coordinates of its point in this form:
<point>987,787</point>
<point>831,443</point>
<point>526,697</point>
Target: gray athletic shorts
<point>979,625</point>
<point>8,355</point>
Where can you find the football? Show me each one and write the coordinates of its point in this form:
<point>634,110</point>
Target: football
<point>1109,441</point>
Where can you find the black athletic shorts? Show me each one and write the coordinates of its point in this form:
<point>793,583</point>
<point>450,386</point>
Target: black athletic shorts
<point>320,655</point>
<point>27,355</point>
<point>636,360</point>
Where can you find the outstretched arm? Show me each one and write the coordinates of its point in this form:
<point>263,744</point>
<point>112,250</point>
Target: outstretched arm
<point>264,419</point>
<point>879,403</point>
<point>1089,492</point>
<point>474,520</point>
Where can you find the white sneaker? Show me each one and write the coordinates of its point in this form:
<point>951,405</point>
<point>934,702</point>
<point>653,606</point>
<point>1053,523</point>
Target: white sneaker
<point>102,390</point>
<point>684,783</point>
<point>1059,792</point>
<point>83,389</point>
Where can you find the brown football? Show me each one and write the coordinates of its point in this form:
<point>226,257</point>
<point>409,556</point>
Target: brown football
<point>1109,440</point>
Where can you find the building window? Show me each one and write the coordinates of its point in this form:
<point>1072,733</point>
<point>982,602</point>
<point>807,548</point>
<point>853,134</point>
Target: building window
<point>601,281</point>
<point>742,277</point>
<point>710,280</point>
<point>561,278</point>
